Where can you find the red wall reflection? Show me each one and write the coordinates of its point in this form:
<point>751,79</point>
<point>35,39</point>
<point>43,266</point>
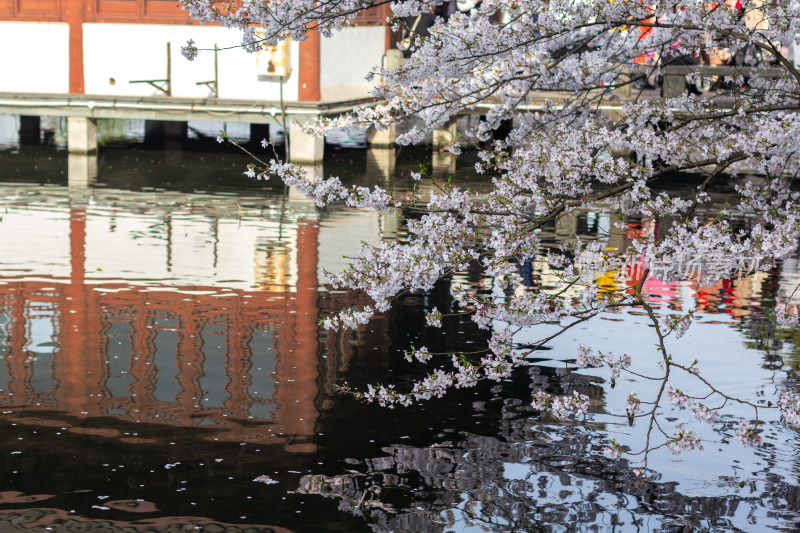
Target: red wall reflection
<point>244,363</point>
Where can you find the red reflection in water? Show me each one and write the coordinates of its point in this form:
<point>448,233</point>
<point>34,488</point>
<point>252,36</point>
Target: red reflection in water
<point>735,297</point>
<point>37,519</point>
<point>245,364</point>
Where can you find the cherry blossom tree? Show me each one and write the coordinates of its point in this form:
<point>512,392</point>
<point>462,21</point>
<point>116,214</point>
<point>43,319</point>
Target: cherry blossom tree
<point>574,77</point>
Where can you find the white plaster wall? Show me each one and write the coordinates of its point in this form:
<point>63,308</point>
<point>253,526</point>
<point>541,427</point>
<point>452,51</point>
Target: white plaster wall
<point>346,58</point>
<point>139,53</point>
<point>35,57</point>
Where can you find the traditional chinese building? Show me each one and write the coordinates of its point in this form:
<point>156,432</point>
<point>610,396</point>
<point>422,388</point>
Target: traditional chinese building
<point>121,59</point>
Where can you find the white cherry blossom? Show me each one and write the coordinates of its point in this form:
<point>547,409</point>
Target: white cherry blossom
<point>559,69</point>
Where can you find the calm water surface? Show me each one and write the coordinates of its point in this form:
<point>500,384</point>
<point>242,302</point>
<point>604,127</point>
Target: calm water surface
<point>162,369</point>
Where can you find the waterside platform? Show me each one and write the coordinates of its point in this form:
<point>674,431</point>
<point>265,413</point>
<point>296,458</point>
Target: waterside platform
<point>169,108</point>
<point>82,110</point>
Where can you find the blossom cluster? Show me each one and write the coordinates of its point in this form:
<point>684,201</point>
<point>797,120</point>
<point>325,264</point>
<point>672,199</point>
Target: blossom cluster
<point>698,410</point>
<point>784,319</point>
<point>614,450</point>
<point>576,404</point>
<point>633,404</point>
<point>747,436</point>
<point>615,363</point>
<point>684,440</point>
<point>678,323</point>
<point>790,406</point>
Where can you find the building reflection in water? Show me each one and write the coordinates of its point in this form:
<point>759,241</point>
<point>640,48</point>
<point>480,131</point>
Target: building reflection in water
<point>200,311</point>
<point>156,328</point>
<point>137,339</point>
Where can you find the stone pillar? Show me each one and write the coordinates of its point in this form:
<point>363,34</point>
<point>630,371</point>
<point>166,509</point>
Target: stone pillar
<point>380,162</point>
<point>81,135</point>
<point>81,170</point>
<point>393,59</point>
<point>445,135</point>
<point>567,225</point>
<point>390,224</point>
<point>314,170</point>
<point>443,163</point>
<point>382,138</point>
<point>304,148</point>
<point>615,116</point>
<point>617,237</point>
<point>29,130</point>
<point>624,92</point>
<point>674,84</point>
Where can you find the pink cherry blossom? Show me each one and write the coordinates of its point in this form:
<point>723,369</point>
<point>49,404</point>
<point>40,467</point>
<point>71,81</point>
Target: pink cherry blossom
<point>747,436</point>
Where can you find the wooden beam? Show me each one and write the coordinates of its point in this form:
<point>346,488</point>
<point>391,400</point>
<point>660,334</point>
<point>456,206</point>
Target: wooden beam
<point>74,16</point>
<point>308,75</point>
